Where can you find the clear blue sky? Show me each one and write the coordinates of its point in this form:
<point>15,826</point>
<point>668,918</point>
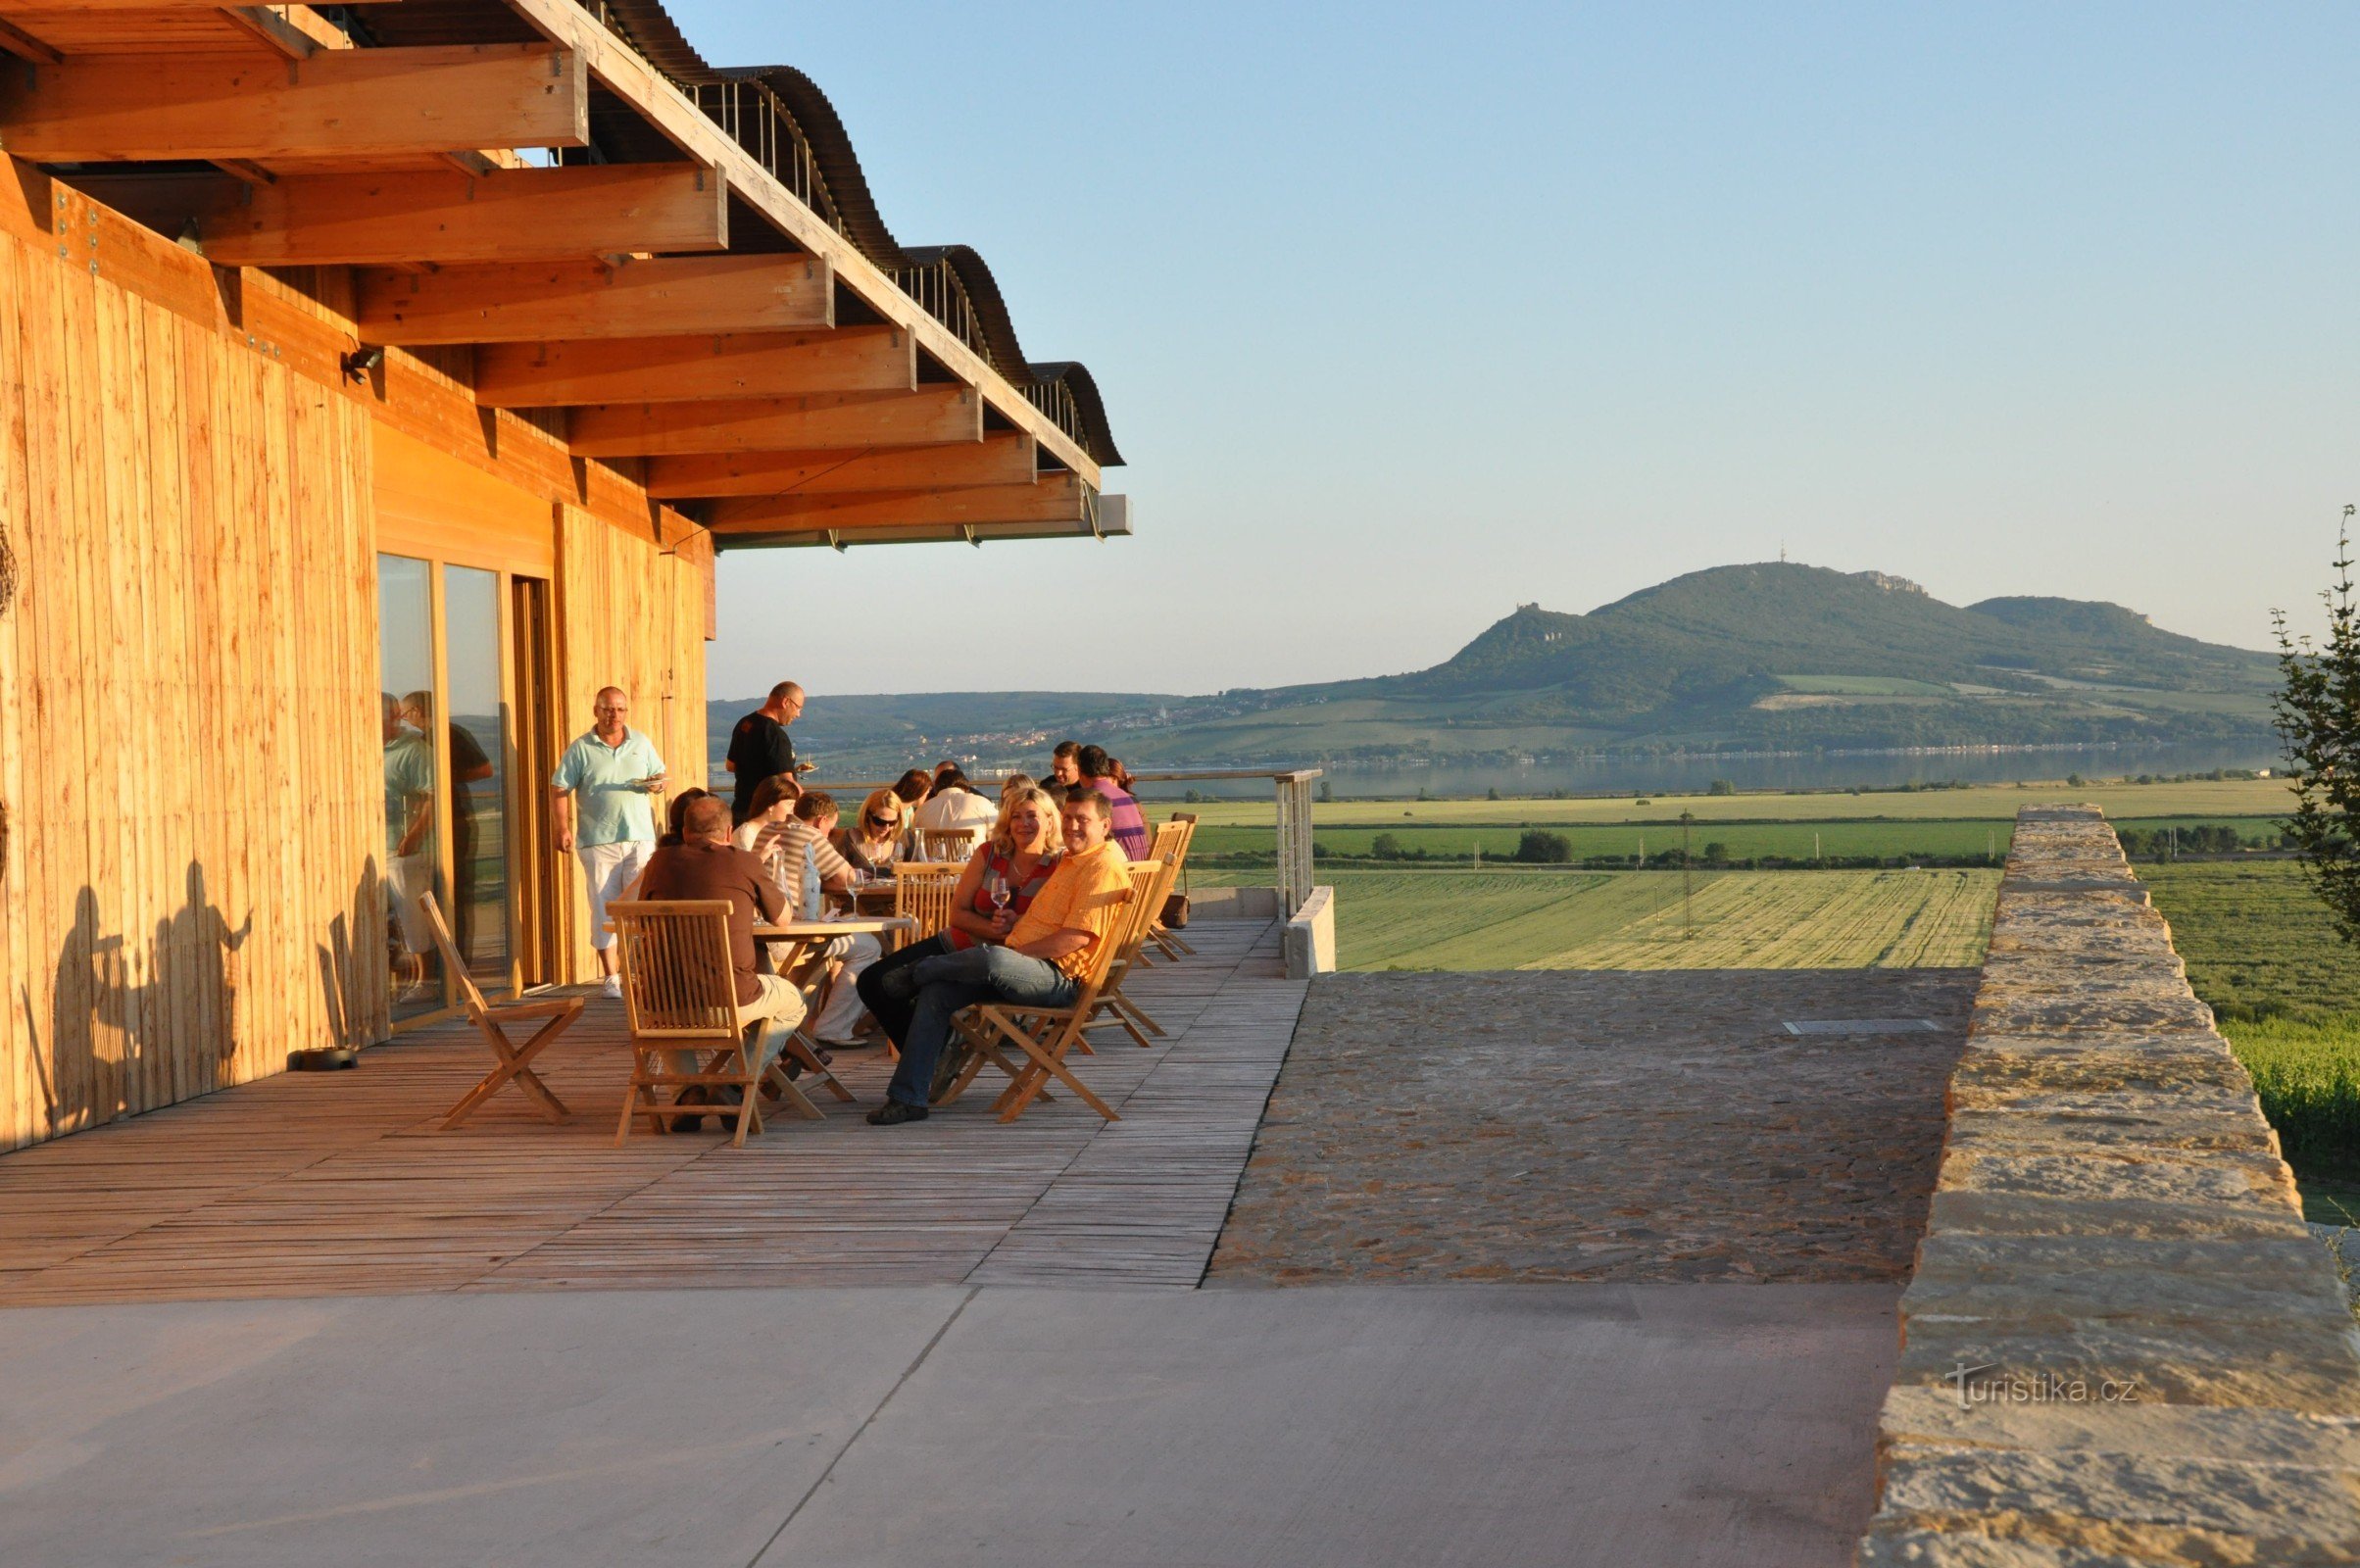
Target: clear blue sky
<point>1405,314</point>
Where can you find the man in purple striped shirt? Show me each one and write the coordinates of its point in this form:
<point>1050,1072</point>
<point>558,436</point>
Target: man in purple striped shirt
<point>1130,824</point>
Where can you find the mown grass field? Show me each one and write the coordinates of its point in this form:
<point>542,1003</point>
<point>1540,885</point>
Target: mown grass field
<point>2261,952</point>
<point>1542,919</point>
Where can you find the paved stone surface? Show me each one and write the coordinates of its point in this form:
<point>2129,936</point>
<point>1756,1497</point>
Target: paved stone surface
<point>1033,1428</point>
<point>2122,1345</point>
<point>1597,1125</point>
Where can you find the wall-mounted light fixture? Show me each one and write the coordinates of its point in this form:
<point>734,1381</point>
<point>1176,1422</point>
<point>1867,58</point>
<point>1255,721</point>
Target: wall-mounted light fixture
<point>362,361</point>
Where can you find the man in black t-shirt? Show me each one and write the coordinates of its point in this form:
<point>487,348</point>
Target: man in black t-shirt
<point>760,747</point>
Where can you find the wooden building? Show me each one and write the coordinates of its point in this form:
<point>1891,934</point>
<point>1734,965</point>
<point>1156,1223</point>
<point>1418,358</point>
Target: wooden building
<point>377,382</point>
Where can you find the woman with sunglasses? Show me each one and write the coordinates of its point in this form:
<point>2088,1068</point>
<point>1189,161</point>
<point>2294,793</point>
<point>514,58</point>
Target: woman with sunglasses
<point>872,840</point>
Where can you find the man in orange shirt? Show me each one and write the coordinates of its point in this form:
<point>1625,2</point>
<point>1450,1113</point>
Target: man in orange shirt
<point>1040,966</point>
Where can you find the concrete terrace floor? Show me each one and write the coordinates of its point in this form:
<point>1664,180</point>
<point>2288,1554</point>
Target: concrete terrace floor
<point>251,1331</point>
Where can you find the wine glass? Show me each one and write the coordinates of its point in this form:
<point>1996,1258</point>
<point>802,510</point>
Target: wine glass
<point>1000,897</point>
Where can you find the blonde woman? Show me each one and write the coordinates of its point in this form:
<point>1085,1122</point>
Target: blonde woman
<point>872,840</point>
<point>998,885</point>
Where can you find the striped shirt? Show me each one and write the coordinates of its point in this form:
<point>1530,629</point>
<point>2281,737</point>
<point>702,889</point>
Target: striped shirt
<point>1130,824</point>
<point>784,847</point>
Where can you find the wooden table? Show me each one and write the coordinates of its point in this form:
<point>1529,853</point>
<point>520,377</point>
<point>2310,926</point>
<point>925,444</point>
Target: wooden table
<point>891,930</point>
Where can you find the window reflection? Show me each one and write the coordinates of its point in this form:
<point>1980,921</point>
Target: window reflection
<point>478,798</point>
<point>405,678</point>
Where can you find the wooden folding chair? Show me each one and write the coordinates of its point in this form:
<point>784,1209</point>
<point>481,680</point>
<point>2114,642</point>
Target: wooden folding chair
<point>680,993</point>
<point>1042,1035</point>
<point>811,971</point>
<point>924,894</point>
<point>1150,880</point>
<point>515,1061</point>
<point>949,842</point>
<point>1182,833</point>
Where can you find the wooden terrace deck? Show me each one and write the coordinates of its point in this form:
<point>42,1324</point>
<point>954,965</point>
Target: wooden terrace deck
<point>341,1184</point>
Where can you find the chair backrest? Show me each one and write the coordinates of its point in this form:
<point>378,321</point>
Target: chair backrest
<point>453,965</point>
<point>1187,821</point>
<point>677,980</point>
<point>1169,837</point>
<point>949,842</point>
<point>1103,957</point>
<point>924,894</point>
<point>1150,880</point>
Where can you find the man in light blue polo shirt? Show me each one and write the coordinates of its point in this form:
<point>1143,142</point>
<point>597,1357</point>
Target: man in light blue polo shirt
<point>599,805</point>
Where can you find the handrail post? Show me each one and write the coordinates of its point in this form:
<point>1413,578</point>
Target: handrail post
<point>1293,800</point>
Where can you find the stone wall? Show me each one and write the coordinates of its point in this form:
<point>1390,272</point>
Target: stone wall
<point>2120,1345</point>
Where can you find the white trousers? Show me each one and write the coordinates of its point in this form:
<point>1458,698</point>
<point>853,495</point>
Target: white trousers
<point>843,1009</point>
<point>611,869</point>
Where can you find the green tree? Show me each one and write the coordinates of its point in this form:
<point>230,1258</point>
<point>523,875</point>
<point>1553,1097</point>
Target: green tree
<point>1386,846</point>
<point>1539,846</point>
<point>1720,786</point>
<point>1716,854</point>
<point>2318,716</point>
<point>1327,791</point>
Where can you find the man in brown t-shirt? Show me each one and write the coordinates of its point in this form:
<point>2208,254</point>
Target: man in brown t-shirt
<point>706,864</point>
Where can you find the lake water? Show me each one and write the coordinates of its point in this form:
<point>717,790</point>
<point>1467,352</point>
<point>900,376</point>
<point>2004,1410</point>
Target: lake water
<point>1639,775</point>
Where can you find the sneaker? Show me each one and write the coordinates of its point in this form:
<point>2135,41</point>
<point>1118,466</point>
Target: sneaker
<point>892,1113</point>
<point>612,987</point>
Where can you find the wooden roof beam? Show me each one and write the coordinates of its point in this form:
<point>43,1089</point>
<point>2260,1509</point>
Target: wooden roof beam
<point>354,103</point>
<point>1000,458</point>
<point>931,416</point>
<point>1114,521</point>
<point>703,368</point>
<point>621,69</point>
<point>433,216</point>
<point>624,297</point>
<point>1054,498</point>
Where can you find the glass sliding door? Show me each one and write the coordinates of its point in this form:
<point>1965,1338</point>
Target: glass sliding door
<point>473,739</point>
<point>406,683</point>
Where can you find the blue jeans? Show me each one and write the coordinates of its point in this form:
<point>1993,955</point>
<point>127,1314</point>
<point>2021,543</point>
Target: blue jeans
<point>939,986</point>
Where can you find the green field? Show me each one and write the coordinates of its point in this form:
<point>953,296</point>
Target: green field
<point>1798,842</point>
<point>2202,801</point>
<point>1542,919</point>
<point>2261,952</point>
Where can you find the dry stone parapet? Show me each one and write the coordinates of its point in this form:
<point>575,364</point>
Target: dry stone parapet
<point>2122,1346</point>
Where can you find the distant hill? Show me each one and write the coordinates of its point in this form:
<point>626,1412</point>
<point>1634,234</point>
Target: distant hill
<point>1767,657</point>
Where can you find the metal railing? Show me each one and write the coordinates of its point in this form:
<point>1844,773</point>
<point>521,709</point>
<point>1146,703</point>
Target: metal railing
<point>1293,790</point>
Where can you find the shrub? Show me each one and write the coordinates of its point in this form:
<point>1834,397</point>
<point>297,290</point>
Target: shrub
<point>1386,846</point>
<point>1716,854</point>
<point>1539,846</point>
<point>1720,786</point>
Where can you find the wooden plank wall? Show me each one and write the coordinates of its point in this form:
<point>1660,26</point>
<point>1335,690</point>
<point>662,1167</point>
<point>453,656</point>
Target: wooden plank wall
<point>630,612</point>
<point>187,707</point>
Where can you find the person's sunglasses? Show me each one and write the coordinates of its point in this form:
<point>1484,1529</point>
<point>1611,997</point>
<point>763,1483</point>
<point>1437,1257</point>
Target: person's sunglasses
<point>880,821</point>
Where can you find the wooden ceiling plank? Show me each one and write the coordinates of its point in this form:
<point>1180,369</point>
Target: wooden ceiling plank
<point>629,298</point>
<point>1002,457</point>
<point>697,368</point>
<point>929,417</point>
<point>511,215</point>
<point>1054,498</point>
<point>361,103</point>
<point>23,45</point>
